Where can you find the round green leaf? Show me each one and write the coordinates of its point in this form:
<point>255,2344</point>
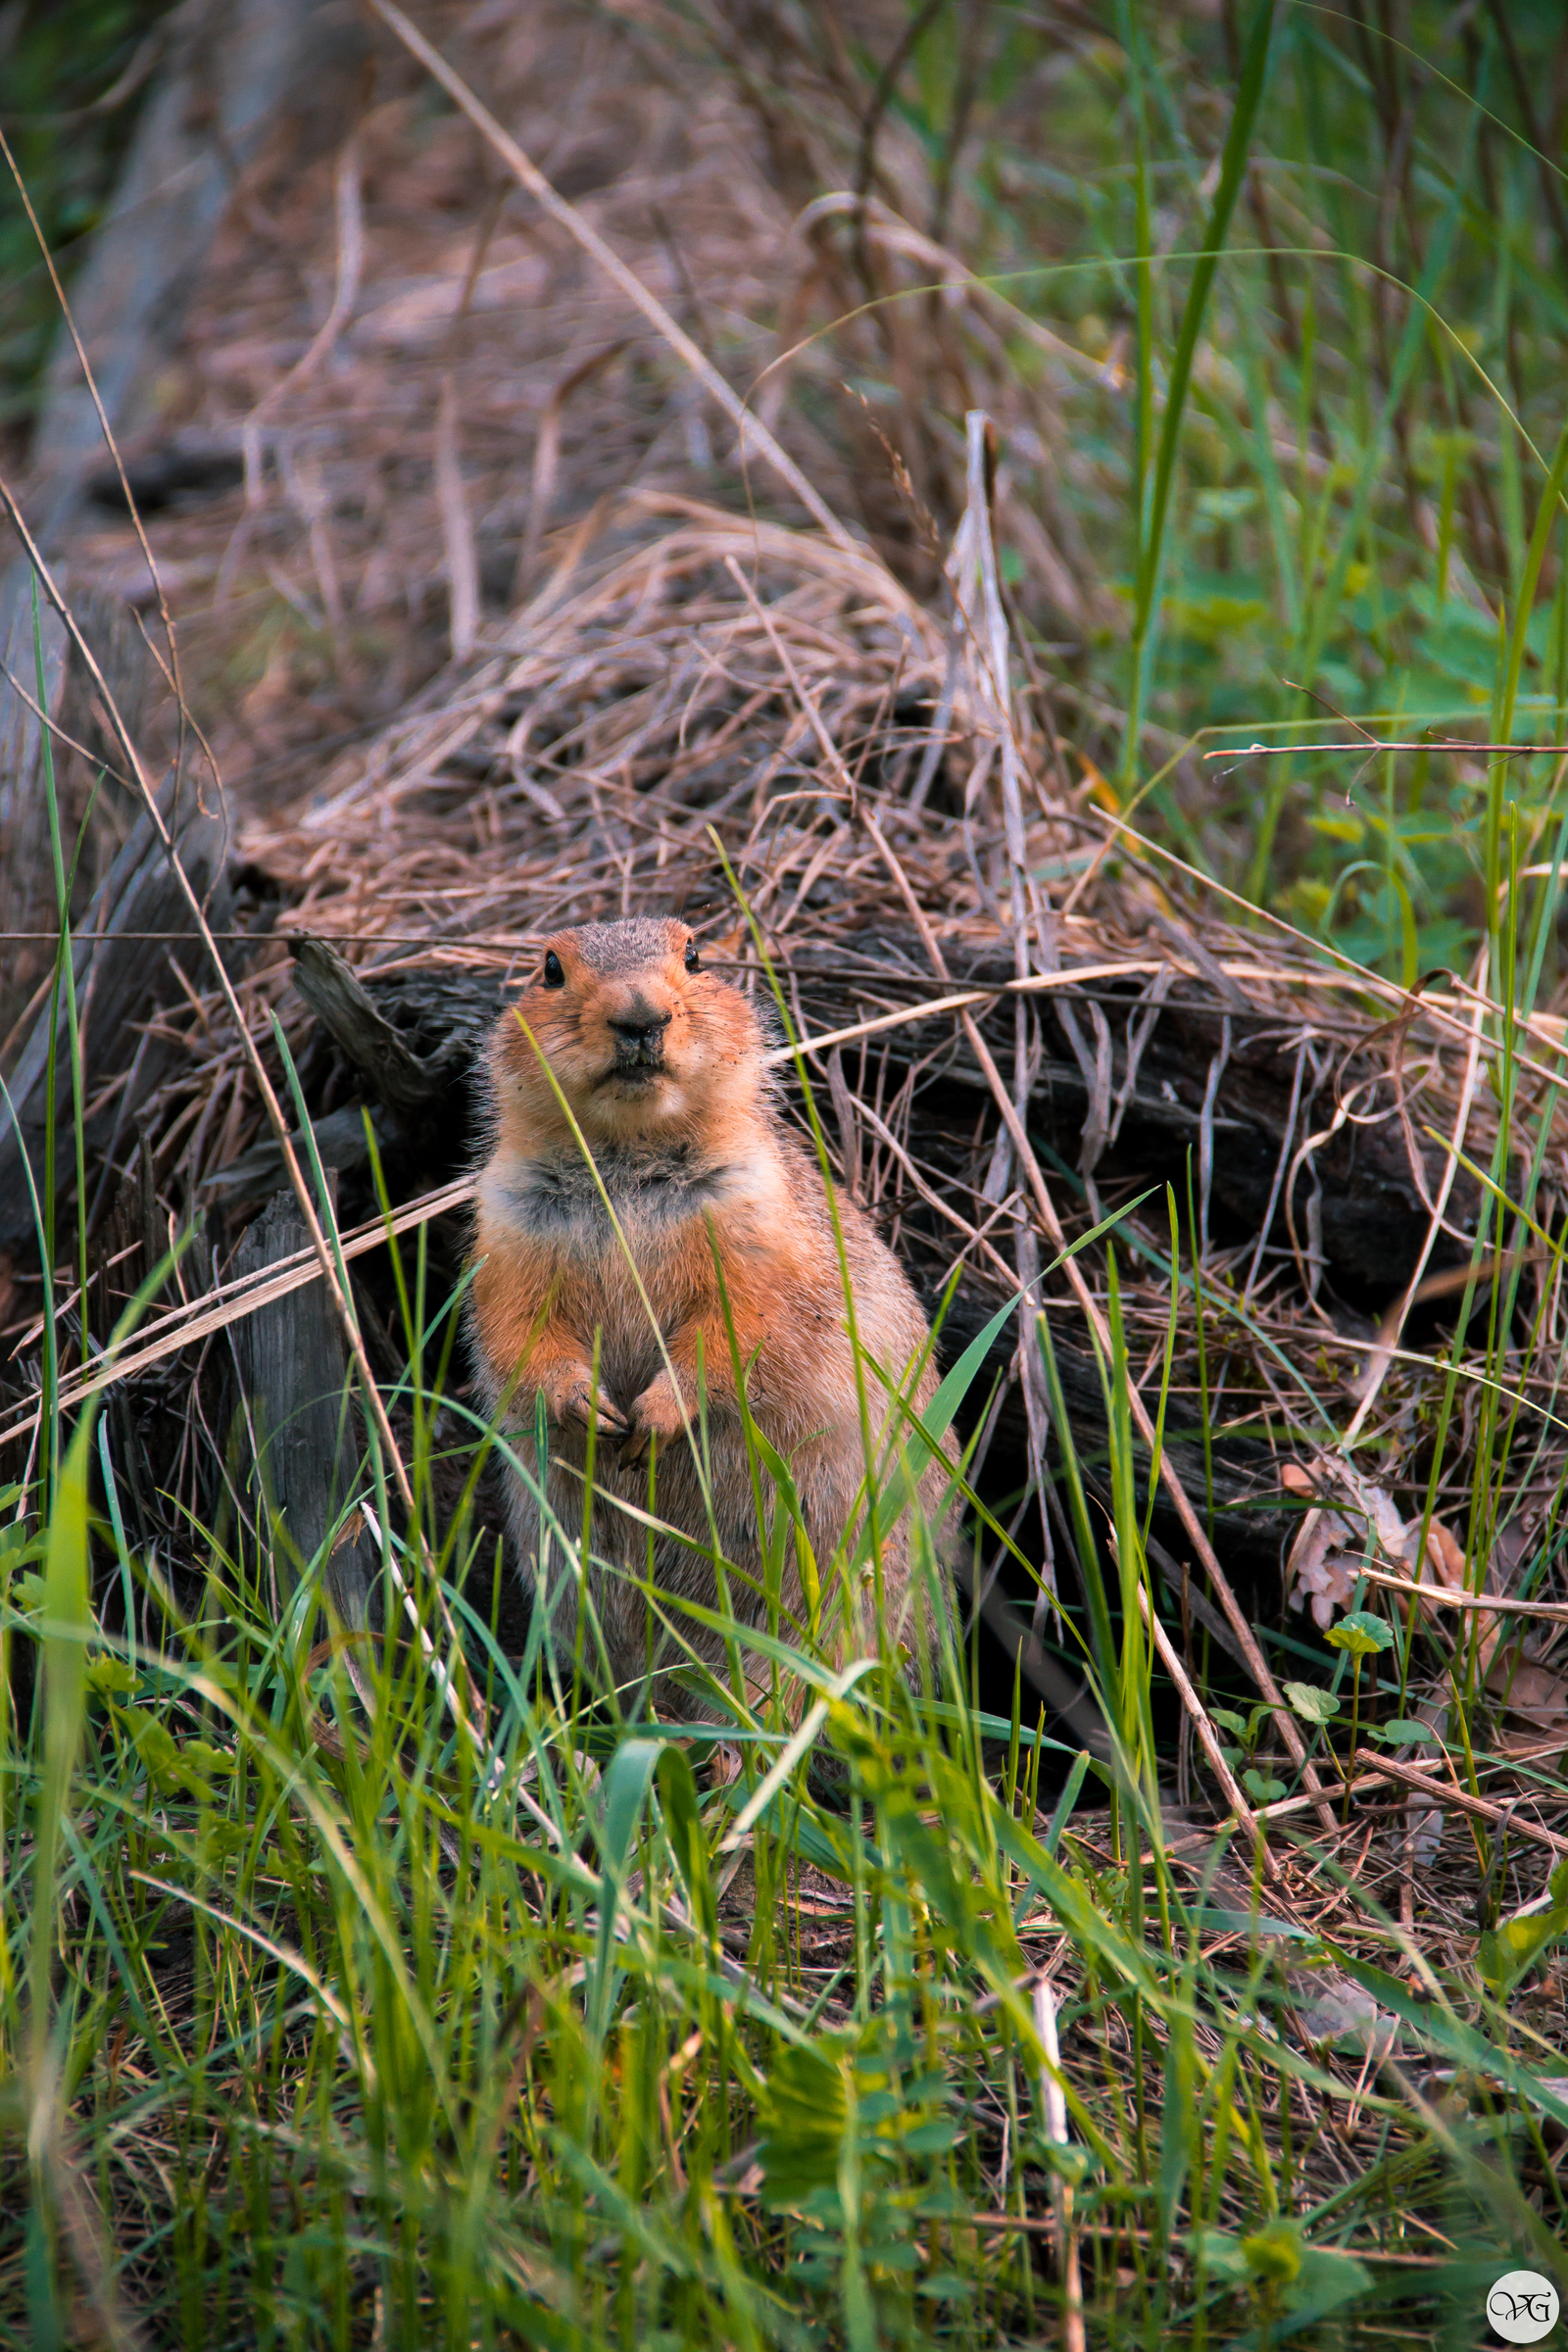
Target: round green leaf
<point>110,1676</point>
<point>1274,2254</point>
<point>1361,1634</point>
<point>1310,1703</point>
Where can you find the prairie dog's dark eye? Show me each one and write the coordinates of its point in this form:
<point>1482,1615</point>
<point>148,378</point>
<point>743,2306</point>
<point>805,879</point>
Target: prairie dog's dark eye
<point>694,962</point>
<point>555,977</point>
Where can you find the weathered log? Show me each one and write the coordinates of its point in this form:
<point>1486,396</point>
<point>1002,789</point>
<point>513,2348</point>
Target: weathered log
<point>1250,1528</point>
<point>409,1092</point>
<point>26,869</point>
<point>296,1391</point>
<point>93,810</point>
<point>339,1139</point>
<point>408,1083</point>
<point>234,72</point>
<point>118,979</point>
<point>1231,1093</point>
<point>1188,1079</point>
<point>439,1010</point>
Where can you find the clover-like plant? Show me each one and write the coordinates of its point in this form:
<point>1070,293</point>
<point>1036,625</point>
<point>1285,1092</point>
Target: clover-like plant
<point>1364,1636</point>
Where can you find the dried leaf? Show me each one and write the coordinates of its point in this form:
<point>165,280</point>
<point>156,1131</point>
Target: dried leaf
<point>1340,2013</point>
<point>1444,1560</point>
<point>1531,1691</point>
<point>1324,1572</point>
<point>1325,1564</point>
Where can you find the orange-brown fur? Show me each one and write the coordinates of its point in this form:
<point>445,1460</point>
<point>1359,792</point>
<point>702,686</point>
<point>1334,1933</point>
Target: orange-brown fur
<point>676,1110</point>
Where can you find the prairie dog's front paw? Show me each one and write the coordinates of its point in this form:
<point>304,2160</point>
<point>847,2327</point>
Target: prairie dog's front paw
<point>655,1413</point>
<point>569,1398</point>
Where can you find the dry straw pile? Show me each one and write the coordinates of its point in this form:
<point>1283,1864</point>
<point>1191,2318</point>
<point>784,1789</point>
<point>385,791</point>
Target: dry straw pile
<point>755,725</point>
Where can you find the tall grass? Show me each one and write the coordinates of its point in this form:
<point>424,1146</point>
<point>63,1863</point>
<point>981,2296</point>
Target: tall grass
<point>1313,265</point>
<point>323,2022</point>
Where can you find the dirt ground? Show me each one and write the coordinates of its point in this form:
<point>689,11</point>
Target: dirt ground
<point>437,384</point>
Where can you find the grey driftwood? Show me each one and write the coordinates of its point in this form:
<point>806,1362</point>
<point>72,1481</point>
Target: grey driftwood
<point>118,979</point>
<point>305,1427</point>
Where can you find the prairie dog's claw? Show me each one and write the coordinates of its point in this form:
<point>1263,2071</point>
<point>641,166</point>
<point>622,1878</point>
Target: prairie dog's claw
<point>656,1415</point>
<point>576,1402</point>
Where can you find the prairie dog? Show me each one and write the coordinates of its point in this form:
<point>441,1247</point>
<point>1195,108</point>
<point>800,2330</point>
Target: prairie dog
<point>663,1065</point>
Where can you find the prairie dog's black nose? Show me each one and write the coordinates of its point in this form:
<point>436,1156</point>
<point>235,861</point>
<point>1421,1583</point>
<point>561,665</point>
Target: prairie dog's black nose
<point>638,1029</point>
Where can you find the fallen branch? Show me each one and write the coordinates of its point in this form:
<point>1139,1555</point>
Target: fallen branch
<point>1442,1792</point>
<point>1555,1612</point>
<point>1256,1663</point>
<point>184,1325</point>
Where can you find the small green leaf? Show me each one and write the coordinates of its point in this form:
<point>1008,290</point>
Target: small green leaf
<point>1361,1634</point>
<point>158,1752</point>
<point>200,1760</point>
<point>1403,1732</point>
<point>928,2139</point>
<point>1221,2253</point>
<point>176,1767</point>
<point>1228,1720</point>
<point>804,2118</point>
<point>1313,2278</point>
<point>1070,2164</point>
<point>1274,2254</point>
<point>1507,1951</point>
<point>15,1545</point>
<point>1266,1791</point>
<point>110,1678</point>
<point>223,1838</point>
<point>1313,1704</point>
<point>1325,2280</point>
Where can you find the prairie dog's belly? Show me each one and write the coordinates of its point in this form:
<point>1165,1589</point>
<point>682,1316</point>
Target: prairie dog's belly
<point>556,1215</point>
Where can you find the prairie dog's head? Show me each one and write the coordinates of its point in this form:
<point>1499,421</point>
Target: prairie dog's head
<point>644,1043</point>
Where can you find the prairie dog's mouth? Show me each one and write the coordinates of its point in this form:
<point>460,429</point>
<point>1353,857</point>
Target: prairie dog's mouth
<point>635,1073</point>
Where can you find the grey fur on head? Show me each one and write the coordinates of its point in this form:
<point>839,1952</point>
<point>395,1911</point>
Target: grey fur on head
<point>612,948</point>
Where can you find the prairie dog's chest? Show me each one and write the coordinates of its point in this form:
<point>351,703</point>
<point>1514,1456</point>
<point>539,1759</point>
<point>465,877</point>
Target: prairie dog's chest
<point>568,1212</point>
